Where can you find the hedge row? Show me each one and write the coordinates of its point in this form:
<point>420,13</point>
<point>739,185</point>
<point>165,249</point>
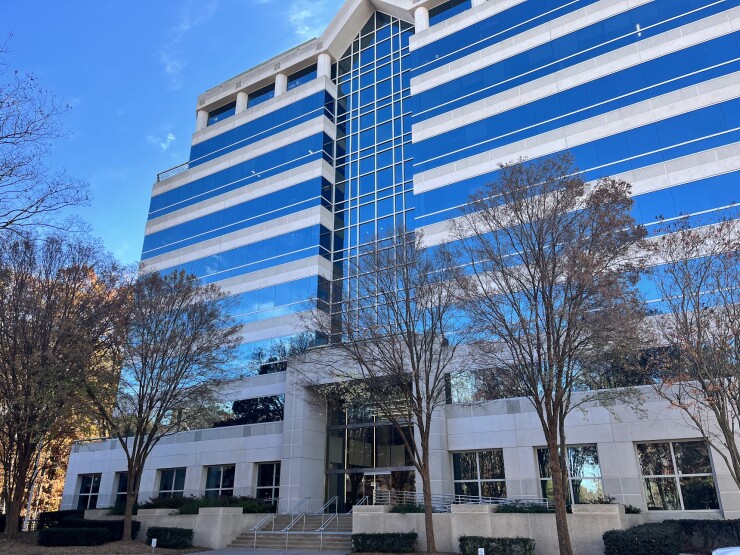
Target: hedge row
<point>53,519</point>
<point>672,537</point>
<point>191,505</point>
<point>175,538</point>
<point>73,536</point>
<point>385,543</point>
<point>499,546</point>
<point>114,527</point>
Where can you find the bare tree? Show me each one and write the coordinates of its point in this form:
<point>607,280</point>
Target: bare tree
<point>175,355</point>
<point>393,337</point>
<point>697,274</point>
<point>31,195</point>
<point>552,289</point>
<point>58,318</point>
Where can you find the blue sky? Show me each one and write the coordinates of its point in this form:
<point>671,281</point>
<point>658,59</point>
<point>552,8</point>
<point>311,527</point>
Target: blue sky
<point>131,71</point>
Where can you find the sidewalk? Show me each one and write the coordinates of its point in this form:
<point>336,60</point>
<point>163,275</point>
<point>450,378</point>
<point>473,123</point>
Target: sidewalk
<point>265,552</point>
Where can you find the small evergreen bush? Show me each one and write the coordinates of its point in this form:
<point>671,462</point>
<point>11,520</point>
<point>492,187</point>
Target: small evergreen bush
<point>658,538</point>
<point>496,546</point>
<point>385,543</point>
<point>174,538</point>
<point>521,507</point>
<point>53,519</point>
<point>248,504</point>
<point>405,508</point>
<point>114,527</point>
<point>632,510</point>
<point>73,536</point>
<point>707,535</point>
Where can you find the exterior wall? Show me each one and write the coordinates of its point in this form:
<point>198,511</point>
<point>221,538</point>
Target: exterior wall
<point>586,525</point>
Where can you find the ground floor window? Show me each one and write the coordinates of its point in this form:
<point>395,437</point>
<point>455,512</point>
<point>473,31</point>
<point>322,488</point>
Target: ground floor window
<point>677,476</point>
<point>479,473</point>
<point>584,474</point>
<point>268,481</point>
<point>121,489</point>
<point>172,482</point>
<point>220,481</point>
<point>89,489</point>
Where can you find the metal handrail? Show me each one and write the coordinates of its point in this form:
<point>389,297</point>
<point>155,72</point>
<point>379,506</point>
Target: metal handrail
<point>327,505</point>
<point>272,516</point>
<point>325,525</point>
<point>297,516</point>
<point>442,502</point>
<point>362,501</point>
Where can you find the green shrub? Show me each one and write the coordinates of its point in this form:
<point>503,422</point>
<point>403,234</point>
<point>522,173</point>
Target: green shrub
<point>175,538</point>
<point>385,543</point>
<point>521,507</point>
<point>707,535</point>
<point>192,505</point>
<point>114,527</point>
<point>657,538</point>
<point>165,502</point>
<point>120,509</point>
<point>404,508</point>
<point>632,510</point>
<point>53,519</point>
<point>73,536</point>
<point>496,546</point>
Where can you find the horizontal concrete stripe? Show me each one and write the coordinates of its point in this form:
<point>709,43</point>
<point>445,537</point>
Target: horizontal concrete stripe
<point>651,178</point>
<point>255,189</point>
<point>630,117</point>
<point>256,112</point>
<point>459,22</point>
<point>277,141</point>
<point>280,226</point>
<point>527,40</point>
<point>275,327</point>
<point>670,42</point>
<point>298,269</point>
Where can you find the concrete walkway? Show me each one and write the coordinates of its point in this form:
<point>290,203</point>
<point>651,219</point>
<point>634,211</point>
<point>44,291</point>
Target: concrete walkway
<point>266,552</point>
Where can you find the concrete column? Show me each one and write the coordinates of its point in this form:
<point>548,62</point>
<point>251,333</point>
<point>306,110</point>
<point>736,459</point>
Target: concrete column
<point>323,66</point>
<point>201,120</point>
<point>241,101</point>
<point>421,19</point>
<point>281,84</point>
<point>478,2</point>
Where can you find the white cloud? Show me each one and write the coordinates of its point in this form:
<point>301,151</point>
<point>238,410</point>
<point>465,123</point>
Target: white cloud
<point>191,15</point>
<point>163,143</point>
<point>309,18</point>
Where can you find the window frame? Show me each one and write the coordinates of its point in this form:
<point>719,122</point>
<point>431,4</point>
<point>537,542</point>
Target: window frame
<point>220,491</point>
<point>91,494</point>
<point>173,492</point>
<point>478,480</point>
<point>677,475</point>
<point>570,477</point>
<point>274,488</point>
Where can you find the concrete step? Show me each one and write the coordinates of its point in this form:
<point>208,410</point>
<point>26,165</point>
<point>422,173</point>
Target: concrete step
<point>295,541</point>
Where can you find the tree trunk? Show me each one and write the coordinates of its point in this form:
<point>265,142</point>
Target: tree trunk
<point>132,492</point>
<point>559,497</point>
<point>13,513</point>
<point>428,518</point>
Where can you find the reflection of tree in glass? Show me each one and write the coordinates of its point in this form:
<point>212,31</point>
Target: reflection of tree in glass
<point>255,411</point>
<point>655,459</point>
<point>699,493</point>
<point>692,457</point>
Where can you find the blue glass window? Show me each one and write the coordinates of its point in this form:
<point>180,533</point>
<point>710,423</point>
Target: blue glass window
<point>261,95</point>
<point>222,113</point>
<point>300,77</point>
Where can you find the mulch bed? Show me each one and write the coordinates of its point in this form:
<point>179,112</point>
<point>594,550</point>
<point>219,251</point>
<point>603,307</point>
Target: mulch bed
<point>27,546</point>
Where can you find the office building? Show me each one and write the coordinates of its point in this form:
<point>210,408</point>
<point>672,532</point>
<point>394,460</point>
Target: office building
<point>394,116</point>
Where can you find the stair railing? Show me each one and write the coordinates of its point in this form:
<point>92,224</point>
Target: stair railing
<point>362,501</point>
<point>296,515</point>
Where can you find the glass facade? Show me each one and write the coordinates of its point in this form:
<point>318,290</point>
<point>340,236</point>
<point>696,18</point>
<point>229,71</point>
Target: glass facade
<point>285,200</point>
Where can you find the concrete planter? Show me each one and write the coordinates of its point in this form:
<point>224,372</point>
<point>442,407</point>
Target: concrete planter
<point>158,512</point>
<point>596,509</point>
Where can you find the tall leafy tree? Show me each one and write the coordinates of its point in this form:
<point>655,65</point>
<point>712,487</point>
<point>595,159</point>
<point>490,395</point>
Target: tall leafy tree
<point>59,318</point>
<point>175,354</point>
<point>552,289</point>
